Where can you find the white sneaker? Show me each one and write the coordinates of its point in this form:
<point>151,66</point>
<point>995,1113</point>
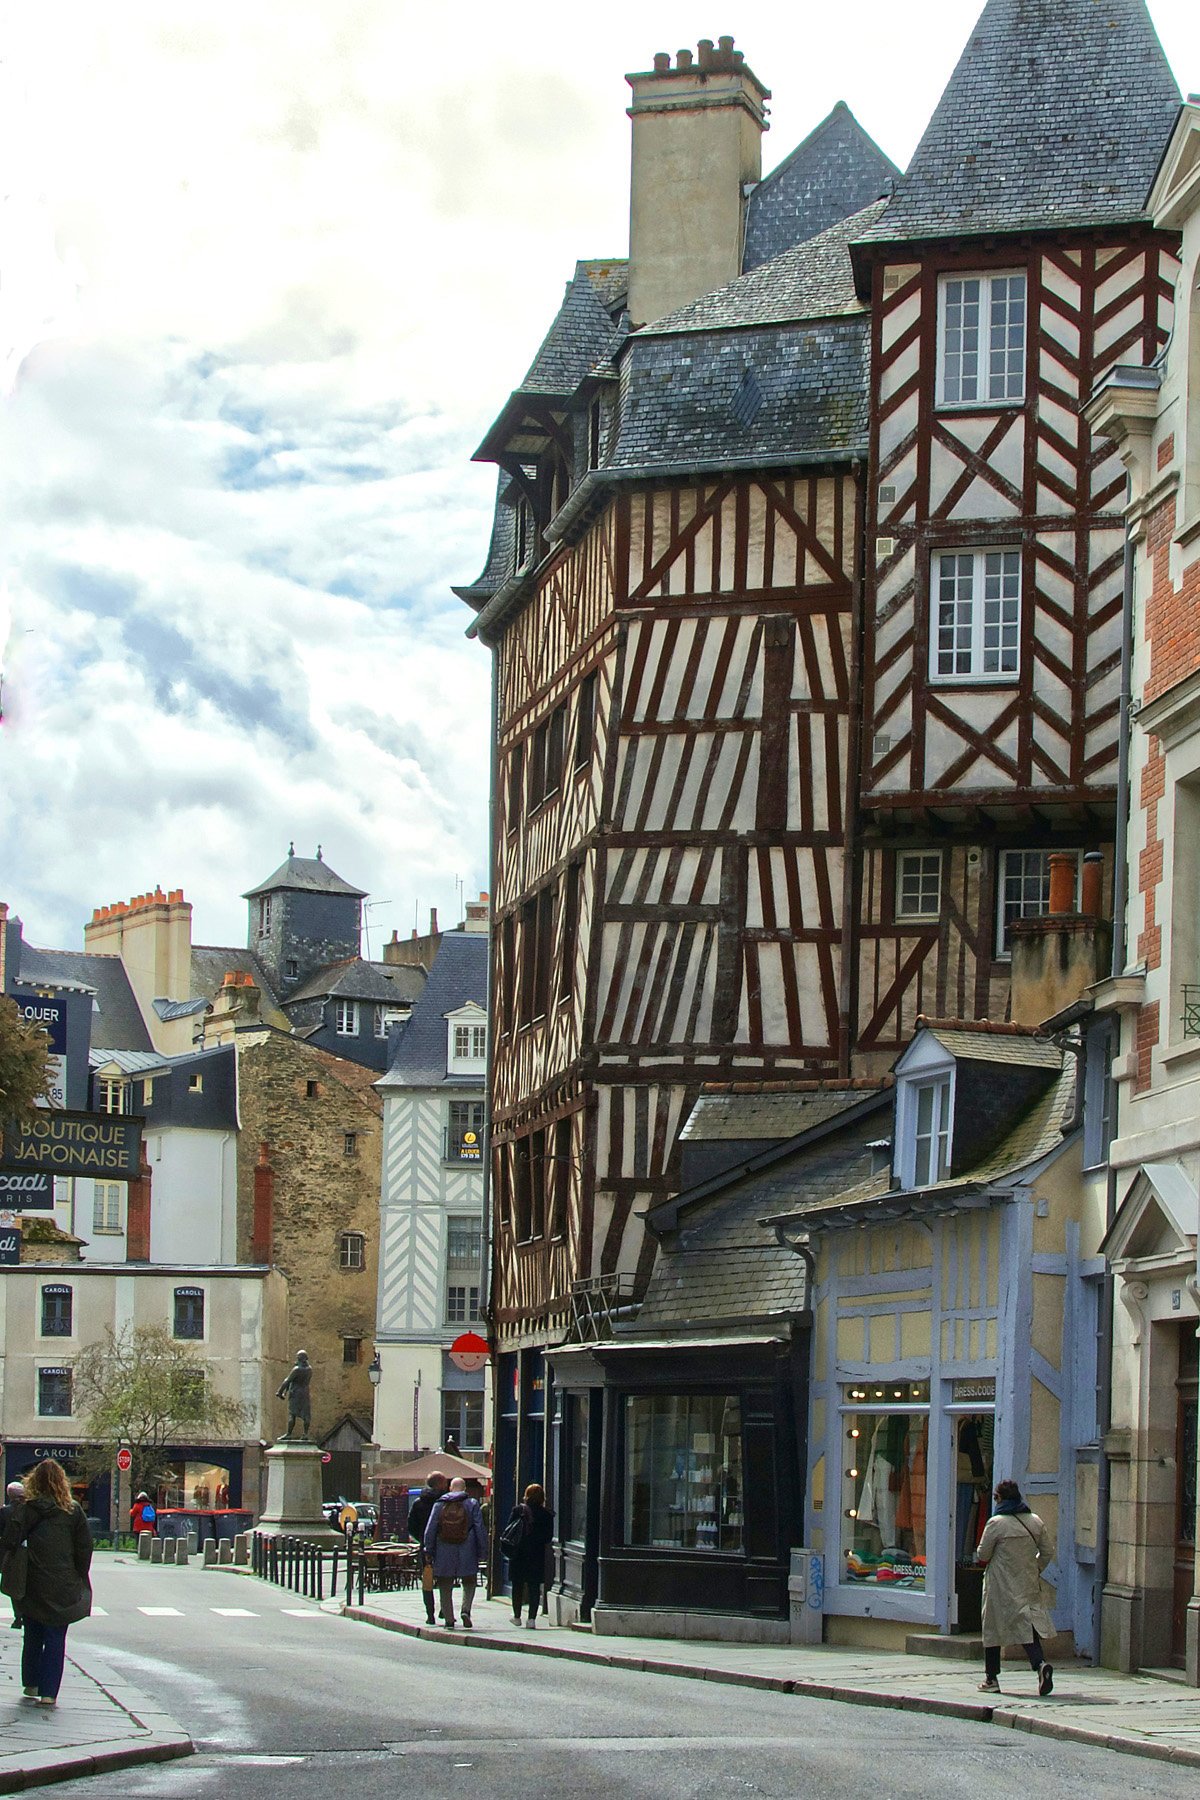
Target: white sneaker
<point>530,1624</point>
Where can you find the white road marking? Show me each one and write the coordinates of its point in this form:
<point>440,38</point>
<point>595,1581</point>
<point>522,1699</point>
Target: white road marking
<point>305,1612</point>
<point>234,1612</point>
<point>98,1612</point>
<point>161,1612</point>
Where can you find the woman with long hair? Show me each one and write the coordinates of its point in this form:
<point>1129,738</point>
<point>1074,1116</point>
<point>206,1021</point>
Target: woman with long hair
<point>58,1547</point>
<point>529,1530</point>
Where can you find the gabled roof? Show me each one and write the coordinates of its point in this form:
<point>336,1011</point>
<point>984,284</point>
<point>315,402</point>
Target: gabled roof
<point>459,974</point>
<point>1159,1215</point>
<point>836,170</point>
<point>116,1016</point>
<point>814,280</point>
<point>1056,115</point>
<point>305,875</point>
<point>354,978</point>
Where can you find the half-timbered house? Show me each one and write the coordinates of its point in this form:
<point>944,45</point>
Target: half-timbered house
<point>804,596</point>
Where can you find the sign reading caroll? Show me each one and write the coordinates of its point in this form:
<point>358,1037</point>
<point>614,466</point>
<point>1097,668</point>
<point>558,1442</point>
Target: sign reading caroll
<point>77,1143</point>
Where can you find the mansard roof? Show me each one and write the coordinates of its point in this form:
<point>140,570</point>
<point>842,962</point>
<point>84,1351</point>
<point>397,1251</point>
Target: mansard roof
<point>306,875</point>
<point>459,974</point>
<point>499,564</point>
<point>812,280</point>
<point>1057,115</point>
<point>835,171</point>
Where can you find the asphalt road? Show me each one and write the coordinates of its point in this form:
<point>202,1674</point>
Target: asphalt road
<point>286,1702</point>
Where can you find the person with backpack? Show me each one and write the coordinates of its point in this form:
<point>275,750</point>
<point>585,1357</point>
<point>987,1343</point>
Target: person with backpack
<point>45,1555</point>
<point>14,1496</point>
<point>456,1543</point>
<point>143,1517</point>
<point>1014,1549</point>
<point>418,1518</point>
<point>524,1541</point>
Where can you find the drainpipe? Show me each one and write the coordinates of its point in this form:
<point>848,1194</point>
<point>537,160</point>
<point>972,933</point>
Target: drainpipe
<point>485,1236</point>
<point>1104,1325</point>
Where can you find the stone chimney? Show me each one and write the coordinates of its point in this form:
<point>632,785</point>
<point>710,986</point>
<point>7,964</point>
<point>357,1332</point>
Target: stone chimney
<point>477,914</point>
<point>697,147</point>
<point>152,935</point>
<point>1057,957</point>
<point>262,1229</point>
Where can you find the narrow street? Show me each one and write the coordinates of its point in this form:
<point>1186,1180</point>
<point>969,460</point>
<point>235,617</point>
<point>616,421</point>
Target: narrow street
<point>284,1699</point>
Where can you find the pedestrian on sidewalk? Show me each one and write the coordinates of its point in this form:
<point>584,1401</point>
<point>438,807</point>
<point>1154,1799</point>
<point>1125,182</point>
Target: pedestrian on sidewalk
<point>1014,1549</point>
<point>14,1495</point>
<point>418,1518</point>
<point>524,1541</point>
<point>51,1527</point>
<point>456,1543</point>
<point>143,1516</point>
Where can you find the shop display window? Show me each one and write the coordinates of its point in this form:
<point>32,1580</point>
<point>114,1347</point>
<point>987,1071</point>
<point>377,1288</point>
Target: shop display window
<point>579,1418</point>
<point>886,1447</point>
<point>683,1471</point>
<point>195,1486</point>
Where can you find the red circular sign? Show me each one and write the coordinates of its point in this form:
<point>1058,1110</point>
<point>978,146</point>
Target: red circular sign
<point>469,1351</point>
<point>124,1461</point>
<point>327,1457</point>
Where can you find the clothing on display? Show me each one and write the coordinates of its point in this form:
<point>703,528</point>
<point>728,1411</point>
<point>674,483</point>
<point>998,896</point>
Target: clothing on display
<point>884,1537</point>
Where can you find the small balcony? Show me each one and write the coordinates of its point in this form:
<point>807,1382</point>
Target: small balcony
<point>596,1303</point>
<point>1191,1011</point>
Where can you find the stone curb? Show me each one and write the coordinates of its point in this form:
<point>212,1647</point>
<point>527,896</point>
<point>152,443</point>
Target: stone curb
<point>1037,1724</point>
<point>159,1739</point>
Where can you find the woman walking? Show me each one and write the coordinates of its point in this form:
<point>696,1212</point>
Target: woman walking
<point>1014,1548</point>
<point>58,1548</point>
<point>530,1528</point>
<point>455,1543</point>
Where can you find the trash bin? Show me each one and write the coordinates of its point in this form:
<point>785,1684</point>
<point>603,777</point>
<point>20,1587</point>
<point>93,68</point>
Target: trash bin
<point>806,1596</point>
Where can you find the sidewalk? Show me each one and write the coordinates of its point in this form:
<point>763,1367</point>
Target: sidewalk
<point>1139,1714</point>
<point>100,1723</point>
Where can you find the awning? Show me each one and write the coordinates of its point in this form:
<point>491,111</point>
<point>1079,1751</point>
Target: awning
<point>611,1346</point>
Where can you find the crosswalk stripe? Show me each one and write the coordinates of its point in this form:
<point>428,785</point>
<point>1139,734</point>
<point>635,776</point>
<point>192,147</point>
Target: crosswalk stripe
<point>304,1612</point>
<point>98,1612</point>
<point>234,1612</point>
<point>161,1612</point>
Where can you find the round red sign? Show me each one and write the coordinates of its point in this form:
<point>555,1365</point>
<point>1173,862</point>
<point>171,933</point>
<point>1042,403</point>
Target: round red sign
<point>124,1460</point>
<point>327,1456</point>
<point>469,1351</point>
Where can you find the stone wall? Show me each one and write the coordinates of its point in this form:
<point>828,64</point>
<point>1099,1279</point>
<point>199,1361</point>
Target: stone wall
<point>323,1187</point>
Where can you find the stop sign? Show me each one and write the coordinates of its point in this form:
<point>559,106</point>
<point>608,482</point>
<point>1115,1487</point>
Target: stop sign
<point>124,1461</point>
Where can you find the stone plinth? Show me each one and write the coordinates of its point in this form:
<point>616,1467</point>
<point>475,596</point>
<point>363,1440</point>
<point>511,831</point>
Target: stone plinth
<point>293,1506</point>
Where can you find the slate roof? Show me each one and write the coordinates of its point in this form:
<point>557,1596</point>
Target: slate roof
<point>307,875</point>
<point>212,962</point>
<point>813,280</point>
<point>745,1116</point>
<point>130,1062</point>
<point>984,1046</point>
<point>499,564</point>
<point>724,1263</point>
<point>834,172</point>
<point>356,979</point>
<point>459,974</point>
<point>116,1017</point>
<point>771,394</point>
<point>1057,115</point>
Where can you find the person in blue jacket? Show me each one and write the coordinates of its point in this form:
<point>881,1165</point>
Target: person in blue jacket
<point>456,1543</point>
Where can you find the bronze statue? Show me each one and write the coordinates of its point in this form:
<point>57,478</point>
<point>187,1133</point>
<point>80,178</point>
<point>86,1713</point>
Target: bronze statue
<point>296,1388</point>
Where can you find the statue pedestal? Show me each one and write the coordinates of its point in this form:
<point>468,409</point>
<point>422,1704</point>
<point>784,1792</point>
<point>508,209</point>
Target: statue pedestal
<point>293,1506</point>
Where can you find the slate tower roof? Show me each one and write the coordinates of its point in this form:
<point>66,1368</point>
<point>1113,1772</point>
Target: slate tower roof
<point>836,170</point>
<point>1056,115</point>
<point>304,875</point>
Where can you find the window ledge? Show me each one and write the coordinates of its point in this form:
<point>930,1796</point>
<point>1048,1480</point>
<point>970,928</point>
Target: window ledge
<point>980,406</point>
<point>974,681</point>
<point>1184,1055</point>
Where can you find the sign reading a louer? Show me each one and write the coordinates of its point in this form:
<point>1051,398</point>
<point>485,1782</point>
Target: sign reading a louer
<point>26,1190</point>
<point>77,1143</point>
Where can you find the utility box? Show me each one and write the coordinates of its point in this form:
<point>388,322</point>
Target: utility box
<point>806,1596</point>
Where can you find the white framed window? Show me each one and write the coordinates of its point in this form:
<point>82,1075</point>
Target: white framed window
<point>462,1304</point>
<point>924,1113</point>
<point>975,608</point>
<point>1022,890</point>
<point>345,1018</point>
<point>919,884</point>
<point>112,1094</point>
<point>468,1044</point>
<point>981,339</point>
<point>106,1206</point>
<point>931,1131</point>
<point>387,1016</point>
<point>195,1084</point>
<point>264,915</point>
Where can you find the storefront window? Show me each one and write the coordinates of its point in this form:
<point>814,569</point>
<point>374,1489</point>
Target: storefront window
<point>195,1486</point>
<point>683,1471</point>
<point>578,1413</point>
<point>886,1447</point>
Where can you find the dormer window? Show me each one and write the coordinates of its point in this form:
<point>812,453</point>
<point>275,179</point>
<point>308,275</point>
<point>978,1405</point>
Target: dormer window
<point>470,1042</point>
<point>112,1094</point>
<point>345,1018</point>
<point>924,1103</point>
<point>931,1131</point>
<point>466,1044</point>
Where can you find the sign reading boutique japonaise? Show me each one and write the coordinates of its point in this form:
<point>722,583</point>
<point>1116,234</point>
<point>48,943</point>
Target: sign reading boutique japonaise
<point>77,1143</point>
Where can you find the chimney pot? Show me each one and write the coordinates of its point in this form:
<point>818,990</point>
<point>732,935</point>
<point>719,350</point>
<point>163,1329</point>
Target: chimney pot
<point>662,63</point>
<point>1091,899</point>
<point>683,59</point>
<point>726,44</point>
<point>1062,883</point>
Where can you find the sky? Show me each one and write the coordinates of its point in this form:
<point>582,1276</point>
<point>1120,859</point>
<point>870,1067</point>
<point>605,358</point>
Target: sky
<point>267,272</point>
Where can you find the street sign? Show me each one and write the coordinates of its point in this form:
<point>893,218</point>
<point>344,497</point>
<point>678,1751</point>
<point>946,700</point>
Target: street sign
<point>327,1456</point>
<point>348,1517</point>
<point>27,1190</point>
<point>469,1351</point>
<point>124,1461</point>
<point>77,1143</point>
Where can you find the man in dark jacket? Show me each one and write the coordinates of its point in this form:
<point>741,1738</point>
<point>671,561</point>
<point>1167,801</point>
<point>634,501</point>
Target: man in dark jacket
<point>418,1519</point>
<point>14,1495</point>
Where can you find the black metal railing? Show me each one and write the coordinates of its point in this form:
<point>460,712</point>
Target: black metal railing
<point>596,1302</point>
<point>1191,1011</point>
<point>297,1564</point>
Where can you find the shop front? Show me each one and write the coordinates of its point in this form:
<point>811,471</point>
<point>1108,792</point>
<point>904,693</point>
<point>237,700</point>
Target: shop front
<point>92,1491</point>
<point>687,1524</point>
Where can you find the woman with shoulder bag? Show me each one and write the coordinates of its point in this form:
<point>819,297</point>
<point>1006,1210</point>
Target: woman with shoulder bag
<point>524,1540</point>
<point>1014,1549</point>
<point>49,1534</point>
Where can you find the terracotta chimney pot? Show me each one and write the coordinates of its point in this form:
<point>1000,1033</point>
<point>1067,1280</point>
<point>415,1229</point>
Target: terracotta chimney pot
<point>1062,883</point>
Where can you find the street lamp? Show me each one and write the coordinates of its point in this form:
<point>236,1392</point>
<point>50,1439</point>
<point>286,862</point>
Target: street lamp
<point>375,1370</point>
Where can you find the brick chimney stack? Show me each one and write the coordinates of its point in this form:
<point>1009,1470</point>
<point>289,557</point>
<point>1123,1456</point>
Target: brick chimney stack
<point>137,1214</point>
<point>262,1230</point>
<point>1057,957</point>
<point>697,146</point>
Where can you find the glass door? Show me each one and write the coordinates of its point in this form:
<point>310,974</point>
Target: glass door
<point>971,1506</point>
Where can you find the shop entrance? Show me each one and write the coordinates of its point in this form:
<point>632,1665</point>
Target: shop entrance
<point>974,1436</point>
<point>1184,1583</point>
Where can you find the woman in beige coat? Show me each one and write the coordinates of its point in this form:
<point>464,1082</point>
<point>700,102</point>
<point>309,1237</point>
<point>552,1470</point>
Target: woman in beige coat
<point>1014,1549</point>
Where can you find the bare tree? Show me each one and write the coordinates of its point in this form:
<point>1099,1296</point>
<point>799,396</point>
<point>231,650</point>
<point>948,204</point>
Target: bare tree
<point>24,1067</point>
<point>141,1388</point>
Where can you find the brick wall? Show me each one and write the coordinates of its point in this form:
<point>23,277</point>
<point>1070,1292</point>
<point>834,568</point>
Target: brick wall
<point>319,1192</point>
<point>1150,862</point>
<point>1172,613</point>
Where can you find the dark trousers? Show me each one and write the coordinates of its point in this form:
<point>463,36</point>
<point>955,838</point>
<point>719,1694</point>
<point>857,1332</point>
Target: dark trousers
<point>991,1657</point>
<point>42,1655</point>
<point>529,1591</point>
